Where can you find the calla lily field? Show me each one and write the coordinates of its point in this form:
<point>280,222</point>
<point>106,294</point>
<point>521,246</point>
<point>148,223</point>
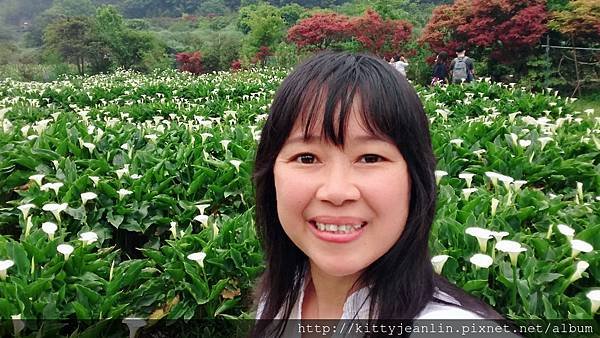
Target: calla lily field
<point>126,200</point>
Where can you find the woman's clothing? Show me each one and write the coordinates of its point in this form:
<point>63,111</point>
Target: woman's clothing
<point>401,67</point>
<point>440,73</point>
<point>357,307</point>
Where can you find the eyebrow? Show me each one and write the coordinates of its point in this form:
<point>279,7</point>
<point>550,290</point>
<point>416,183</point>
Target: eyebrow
<point>316,138</point>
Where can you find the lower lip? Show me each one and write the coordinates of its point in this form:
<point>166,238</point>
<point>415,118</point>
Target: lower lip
<point>336,238</point>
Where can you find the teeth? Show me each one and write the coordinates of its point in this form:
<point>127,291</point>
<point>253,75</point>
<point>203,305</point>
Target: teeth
<point>341,229</point>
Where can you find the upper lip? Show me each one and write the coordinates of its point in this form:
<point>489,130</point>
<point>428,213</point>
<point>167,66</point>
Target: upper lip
<point>337,220</point>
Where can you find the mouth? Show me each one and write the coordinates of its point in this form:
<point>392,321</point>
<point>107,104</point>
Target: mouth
<point>339,229</point>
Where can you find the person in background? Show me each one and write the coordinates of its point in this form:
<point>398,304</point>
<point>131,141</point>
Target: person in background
<point>440,70</point>
<point>462,67</point>
<point>400,64</point>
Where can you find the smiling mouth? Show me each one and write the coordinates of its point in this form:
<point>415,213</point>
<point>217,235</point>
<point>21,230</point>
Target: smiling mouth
<point>337,228</point>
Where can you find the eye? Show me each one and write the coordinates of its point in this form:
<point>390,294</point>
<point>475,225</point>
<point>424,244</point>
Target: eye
<point>371,158</point>
<point>305,158</point>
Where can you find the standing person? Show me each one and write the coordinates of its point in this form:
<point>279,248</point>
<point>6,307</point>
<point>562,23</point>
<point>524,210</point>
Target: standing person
<point>462,67</point>
<point>440,70</point>
<point>401,64</point>
<point>345,198</point>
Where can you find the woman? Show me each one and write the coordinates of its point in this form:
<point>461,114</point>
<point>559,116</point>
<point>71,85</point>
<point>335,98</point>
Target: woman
<point>440,71</point>
<point>345,198</point>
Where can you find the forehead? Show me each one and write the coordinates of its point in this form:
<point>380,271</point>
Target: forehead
<point>356,126</point>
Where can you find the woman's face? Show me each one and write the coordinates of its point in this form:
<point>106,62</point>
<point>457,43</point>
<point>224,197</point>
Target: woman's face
<point>343,207</point>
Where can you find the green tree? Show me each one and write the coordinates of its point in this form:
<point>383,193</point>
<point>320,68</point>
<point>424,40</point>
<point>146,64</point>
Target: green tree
<point>72,39</point>
<point>266,28</point>
<point>220,49</point>
<point>73,7</point>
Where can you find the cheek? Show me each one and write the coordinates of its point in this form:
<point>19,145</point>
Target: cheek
<point>292,193</point>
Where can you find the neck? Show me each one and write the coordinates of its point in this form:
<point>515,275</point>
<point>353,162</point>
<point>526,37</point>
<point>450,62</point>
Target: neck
<point>325,295</point>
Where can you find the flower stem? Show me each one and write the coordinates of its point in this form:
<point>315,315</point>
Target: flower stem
<point>514,290</point>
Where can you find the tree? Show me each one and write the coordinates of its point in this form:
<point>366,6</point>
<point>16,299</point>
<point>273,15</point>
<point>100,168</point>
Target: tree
<point>496,30</point>
<point>370,32</point>
<point>320,31</point>
<point>380,37</point>
<point>266,28</point>
<point>190,62</point>
<point>71,38</point>
<point>580,19</point>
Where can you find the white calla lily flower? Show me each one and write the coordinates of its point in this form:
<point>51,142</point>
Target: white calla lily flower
<point>468,177</point>
<point>202,208</point>
<point>512,248</point>
<point>580,267</point>
<point>54,186</point>
<point>204,136</point>
<point>482,235</point>
<point>457,142</point>
<point>467,192</point>
<point>566,230</point>
<point>578,246</point>
<point>495,203</point>
<point>37,178</point>
<point>198,257</point>
<point>50,229</point>
<point>202,219</point>
<point>594,297</point>
<point>225,144</point>
<point>134,324</point>
<point>4,266</point>
<point>55,209</point>
<point>236,164</point>
<point>438,263</point>
<point>543,141</point>
<point>438,176</point>
<point>122,172</point>
<point>88,237</point>
<point>481,260</point>
<point>25,209</point>
<point>95,180</point>
<point>518,184</point>
<point>124,192</point>
<point>493,177</point>
<point>88,196</point>
<point>499,235</point>
<point>65,249</point>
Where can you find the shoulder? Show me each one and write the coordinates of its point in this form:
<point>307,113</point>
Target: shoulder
<point>444,311</point>
<point>448,308</point>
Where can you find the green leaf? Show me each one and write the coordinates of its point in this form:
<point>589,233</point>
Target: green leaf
<point>115,220</point>
<point>475,285</point>
<point>91,296</point>
<point>81,311</point>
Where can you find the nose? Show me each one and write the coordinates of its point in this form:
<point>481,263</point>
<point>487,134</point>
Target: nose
<point>337,186</point>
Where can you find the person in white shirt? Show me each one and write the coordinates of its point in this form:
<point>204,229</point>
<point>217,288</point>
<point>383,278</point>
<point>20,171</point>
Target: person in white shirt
<point>345,198</point>
<point>400,64</point>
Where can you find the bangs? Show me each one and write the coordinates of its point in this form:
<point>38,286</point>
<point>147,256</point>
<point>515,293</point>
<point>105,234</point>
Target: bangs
<point>328,101</point>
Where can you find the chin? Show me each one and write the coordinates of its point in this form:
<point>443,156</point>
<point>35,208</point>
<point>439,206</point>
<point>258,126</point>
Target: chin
<point>338,268</point>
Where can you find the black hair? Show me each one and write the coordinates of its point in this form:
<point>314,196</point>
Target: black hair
<point>460,49</point>
<point>323,89</point>
<point>442,57</point>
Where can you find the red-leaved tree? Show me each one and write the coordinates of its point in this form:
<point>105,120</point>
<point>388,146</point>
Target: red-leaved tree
<point>261,55</point>
<point>380,37</point>
<point>503,30</point>
<point>320,31</point>
<point>189,62</point>
<point>236,65</point>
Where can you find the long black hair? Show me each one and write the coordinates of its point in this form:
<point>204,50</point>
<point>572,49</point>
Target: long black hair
<point>402,280</point>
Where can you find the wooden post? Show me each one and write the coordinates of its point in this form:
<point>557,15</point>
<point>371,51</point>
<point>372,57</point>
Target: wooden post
<point>578,86</point>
